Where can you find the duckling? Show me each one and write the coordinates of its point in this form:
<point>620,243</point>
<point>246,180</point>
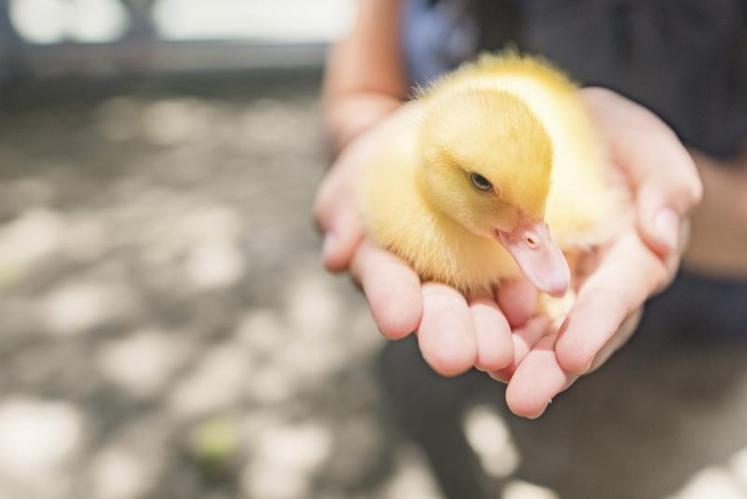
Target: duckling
<point>494,170</point>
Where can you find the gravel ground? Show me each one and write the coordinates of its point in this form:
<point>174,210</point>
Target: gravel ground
<point>167,331</point>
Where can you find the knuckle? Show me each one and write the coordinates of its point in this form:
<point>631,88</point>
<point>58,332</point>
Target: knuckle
<point>318,218</point>
<point>650,275</point>
<point>690,193</point>
<point>661,278</point>
<point>685,193</point>
<point>322,207</point>
<point>696,190</point>
<point>691,188</point>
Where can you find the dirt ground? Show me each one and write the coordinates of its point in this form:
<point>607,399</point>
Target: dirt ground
<point>167,332</point>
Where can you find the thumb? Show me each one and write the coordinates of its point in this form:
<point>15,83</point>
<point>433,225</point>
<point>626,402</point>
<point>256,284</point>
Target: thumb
<point>663,201</point>
<point>343,233</point>
<point>661,170</point>
<point>336,216</point>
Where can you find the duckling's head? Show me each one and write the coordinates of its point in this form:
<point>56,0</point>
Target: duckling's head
<point>487,161</point>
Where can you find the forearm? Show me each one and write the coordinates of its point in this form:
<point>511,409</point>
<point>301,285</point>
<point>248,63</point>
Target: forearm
<point>718,243</point>
<point>353,114</point>
<point>364,80</point>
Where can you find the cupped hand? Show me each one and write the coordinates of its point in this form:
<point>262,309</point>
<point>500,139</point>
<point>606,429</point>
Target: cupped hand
<point>498,332</point>
<point>640,261</point>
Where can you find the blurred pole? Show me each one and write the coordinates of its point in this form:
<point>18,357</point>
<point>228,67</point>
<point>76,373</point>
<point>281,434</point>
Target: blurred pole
<point>10,45</point>
<point>140,19</point>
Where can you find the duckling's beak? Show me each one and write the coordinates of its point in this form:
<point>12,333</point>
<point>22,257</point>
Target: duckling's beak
<point>538,257</point>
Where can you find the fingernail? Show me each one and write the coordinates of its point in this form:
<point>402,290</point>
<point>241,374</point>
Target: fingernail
<point>667,225</point>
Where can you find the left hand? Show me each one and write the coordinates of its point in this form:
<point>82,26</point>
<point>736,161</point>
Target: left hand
<point>638,263</point>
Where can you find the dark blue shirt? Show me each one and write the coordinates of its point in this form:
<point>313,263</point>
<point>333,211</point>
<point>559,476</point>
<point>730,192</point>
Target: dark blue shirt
<point>684,59</point>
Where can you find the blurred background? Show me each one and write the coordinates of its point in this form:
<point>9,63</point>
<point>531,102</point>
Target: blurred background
<point>166,330</point>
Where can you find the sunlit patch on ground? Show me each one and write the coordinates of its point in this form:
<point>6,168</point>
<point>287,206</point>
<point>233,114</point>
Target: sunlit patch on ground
<point>39,444</point>
<point>489,437</point>
<point>517,489</point>
<point>285,455</point>
<point>26,241</point>
<point>216,383</point>
<point>143,362</point>
<point>728,481</point>
<point>119,474</point>
<point>78,307</point>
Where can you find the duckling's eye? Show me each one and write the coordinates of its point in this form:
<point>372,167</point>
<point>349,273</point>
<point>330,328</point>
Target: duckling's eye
<point>481,182</point>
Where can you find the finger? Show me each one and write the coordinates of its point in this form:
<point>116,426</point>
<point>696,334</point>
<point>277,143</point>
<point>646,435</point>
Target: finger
<point>627,275</point>
<point>524,339</point>
<point>392,289</point>
<point>517,299</point>
<point>446,334</point>
<point>337,216</point>
<point>537,380</point>
<point>344,232</point>
<point>623,334</point>
<point>661,207</point>
<point>495,348</point>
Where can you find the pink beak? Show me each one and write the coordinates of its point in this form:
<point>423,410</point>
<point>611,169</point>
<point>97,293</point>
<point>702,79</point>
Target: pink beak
<point>538,257</point>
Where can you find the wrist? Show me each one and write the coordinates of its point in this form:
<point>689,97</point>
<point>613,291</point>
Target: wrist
<point>351,116</point>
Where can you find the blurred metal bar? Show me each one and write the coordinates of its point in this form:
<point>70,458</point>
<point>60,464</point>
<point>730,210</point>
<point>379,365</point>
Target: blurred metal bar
<point>149,55</point>
<point>140,18</point>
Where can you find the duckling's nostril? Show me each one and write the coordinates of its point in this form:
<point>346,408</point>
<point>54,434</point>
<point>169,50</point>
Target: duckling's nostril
<point>532,241</point>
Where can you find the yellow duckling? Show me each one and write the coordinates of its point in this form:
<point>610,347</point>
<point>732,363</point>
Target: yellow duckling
<point>491,161</point>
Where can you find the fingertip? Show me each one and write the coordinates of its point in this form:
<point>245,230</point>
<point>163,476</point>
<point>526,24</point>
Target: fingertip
<point>494,360</point>
<point>334,261</point>
<point>522,404</point>
<point>573,362</point>
<point>495,348</point>
<point>344,232</point>
<point>400,315</point>
<point>337,251</point>
<point>451,360</point>
<point>536,381</point>
<point>449,363</point>
<point>393,292</point>
<point>446,335</point>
